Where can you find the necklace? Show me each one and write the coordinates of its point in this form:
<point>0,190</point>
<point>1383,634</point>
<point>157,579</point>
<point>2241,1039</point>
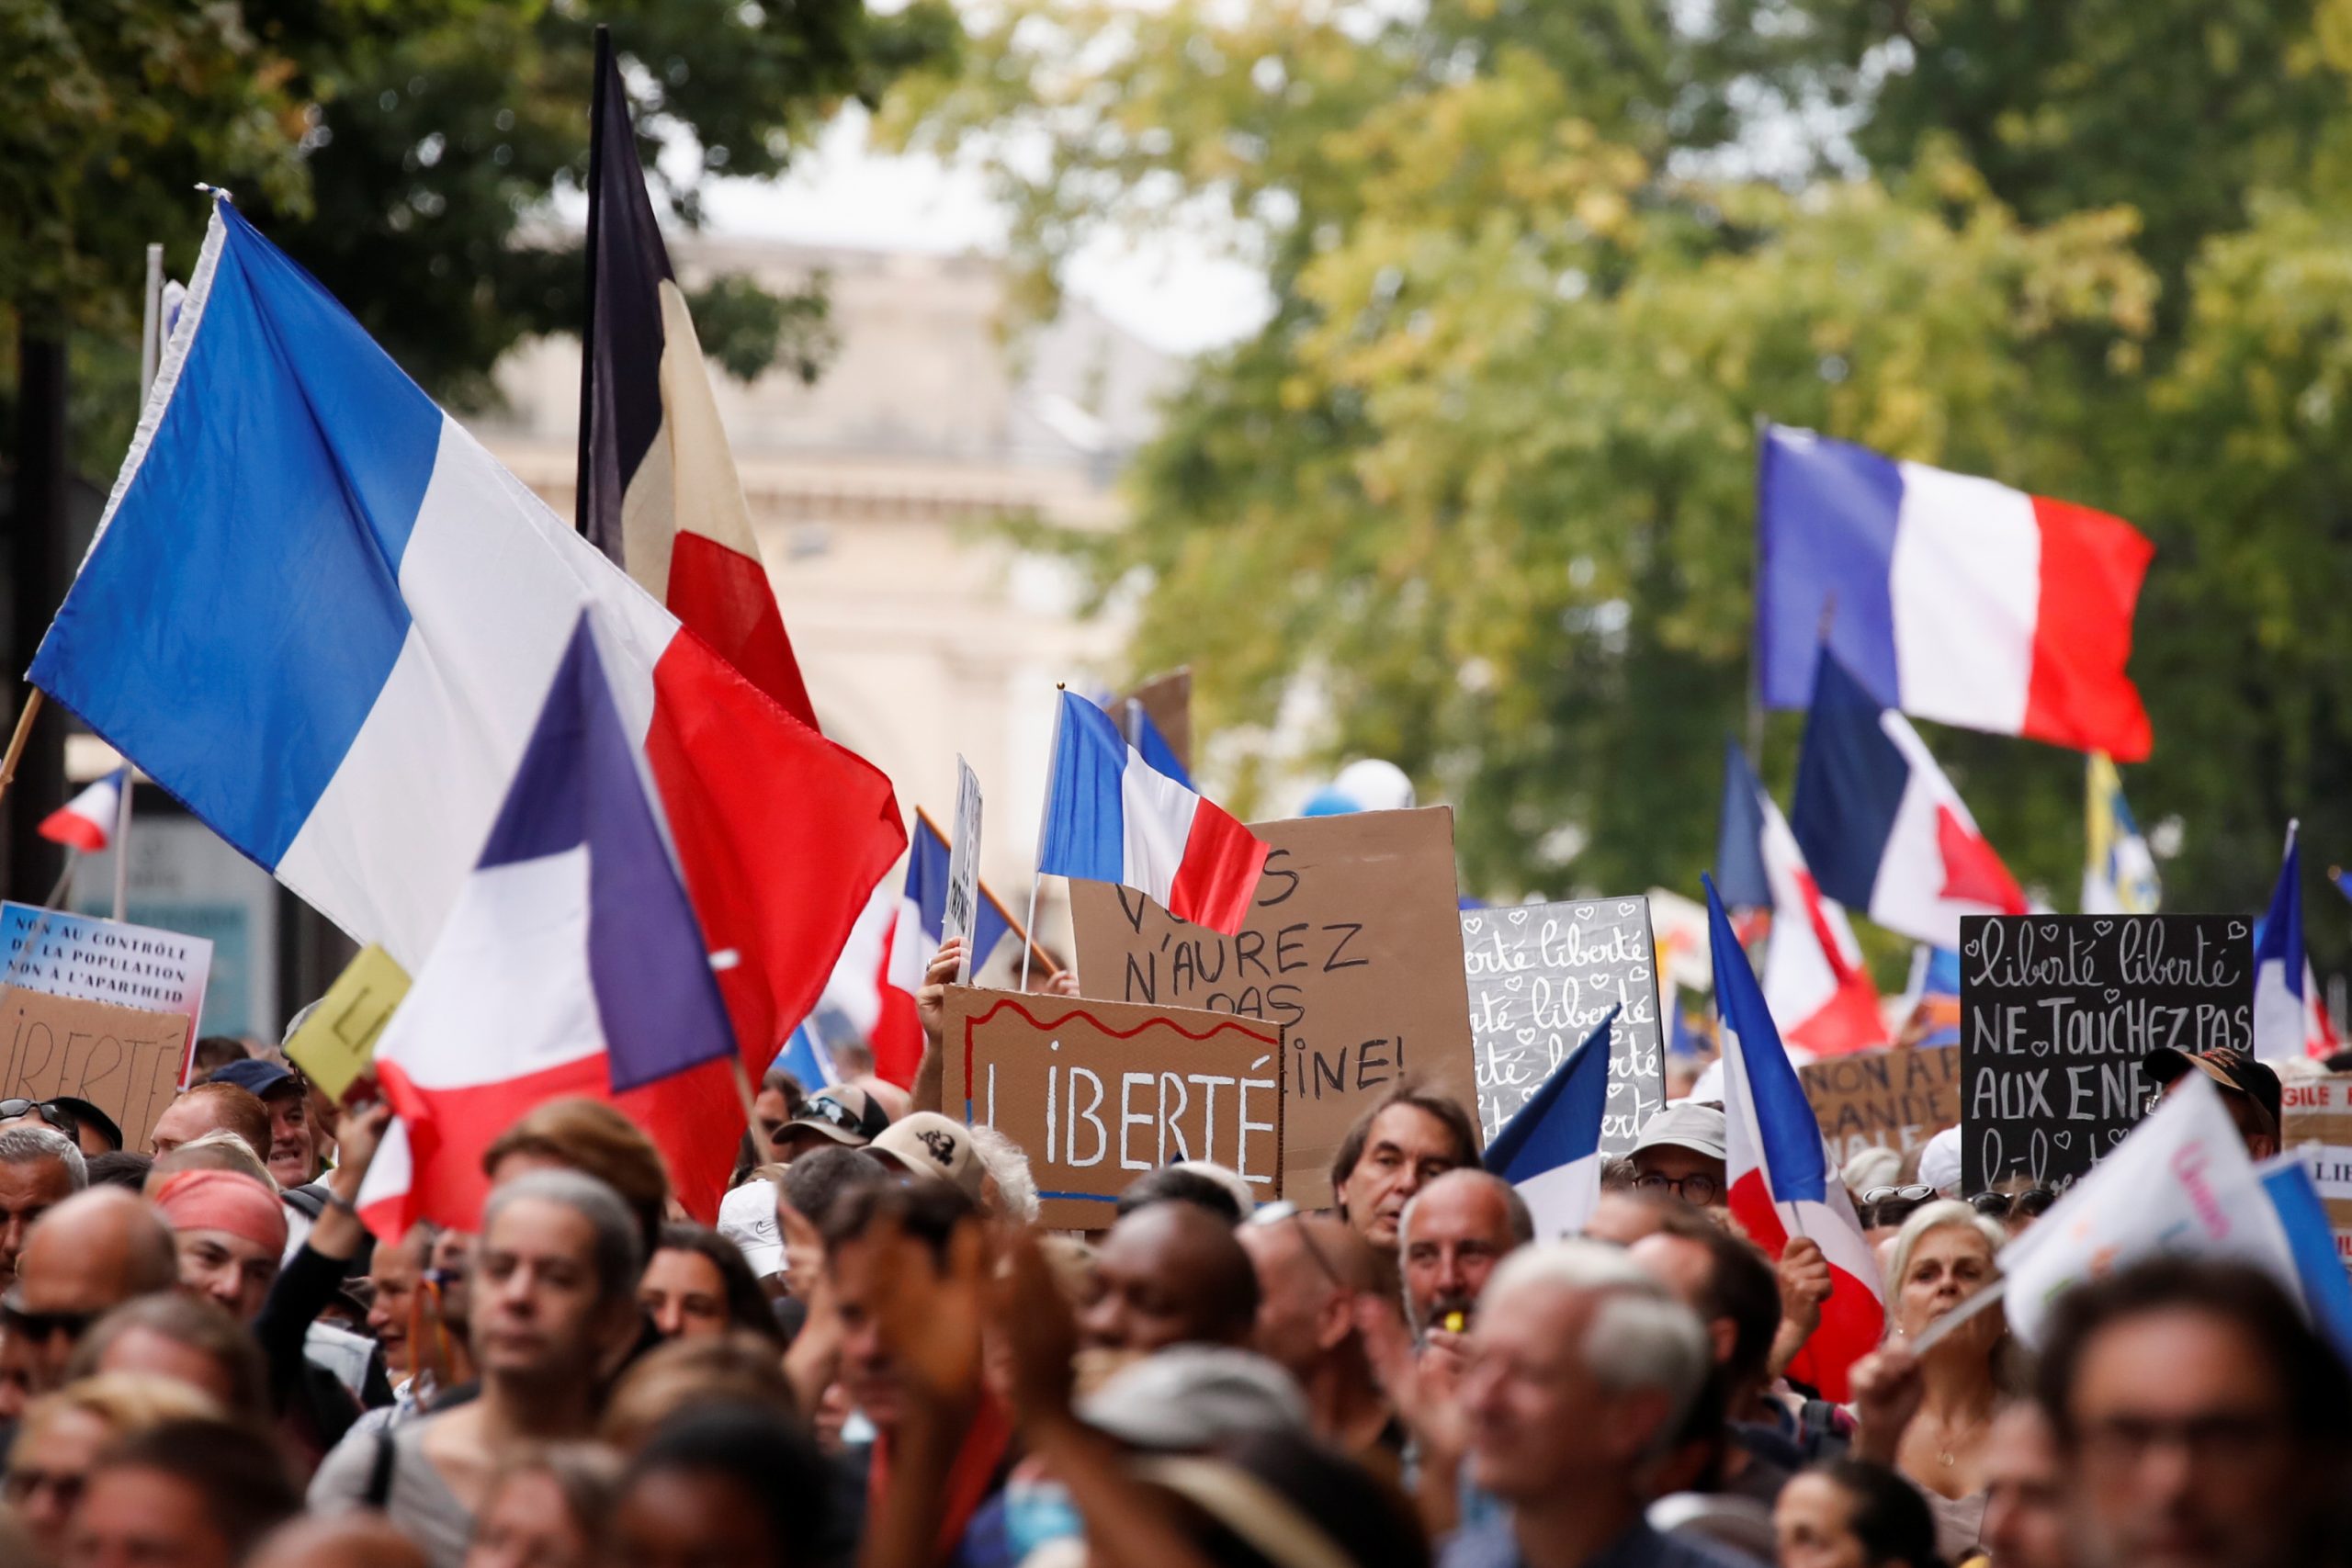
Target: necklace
<point>1944,1456</point>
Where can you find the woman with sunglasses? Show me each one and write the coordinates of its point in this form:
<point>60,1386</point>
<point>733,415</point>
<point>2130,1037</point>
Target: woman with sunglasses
<point>1929,1416</point>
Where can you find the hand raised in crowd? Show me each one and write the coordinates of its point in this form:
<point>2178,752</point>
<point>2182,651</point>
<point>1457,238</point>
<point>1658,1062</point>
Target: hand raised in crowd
<point>930,1007</point>
<point>1032,1324</point>
<point>1888,1390</point>
<point>931,1315</point>
<point>1063,984</point>
<point>1424,1385</point>
<point>1804,1286</point>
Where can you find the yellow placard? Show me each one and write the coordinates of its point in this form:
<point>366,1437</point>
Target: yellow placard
<point>336,1044</point>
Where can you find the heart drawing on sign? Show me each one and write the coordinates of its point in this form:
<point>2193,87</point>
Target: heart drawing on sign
<point>1972,947</point>
<point>2049,933</point>
<point>1525,1037</point>
<point>1627,908</point>
<point>2112,993</point>
<point>1472,924</point>
<point>1518,917</point>
<point>2237,928</point>
<point>1584,911</point>
<point>1514,983</point>
<point>2064,1139</point>
<point>2102,927</point>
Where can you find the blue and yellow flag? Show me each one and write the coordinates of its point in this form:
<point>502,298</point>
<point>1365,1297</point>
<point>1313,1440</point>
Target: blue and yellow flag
<point>2119,874</point>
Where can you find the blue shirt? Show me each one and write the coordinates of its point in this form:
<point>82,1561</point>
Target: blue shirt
<point>1492,1545</point>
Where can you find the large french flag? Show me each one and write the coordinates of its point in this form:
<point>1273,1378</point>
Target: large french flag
<point>319,614</point>
<point>1111,817</point>
<point>572,964</point>
<point>1952,598</point>
<point>1814,978</point>
<point>2290,1017</point>
<point>1778,1169</point>
<point>1882,826</point>
<point>1550,1150</point>
<point>658,491</point>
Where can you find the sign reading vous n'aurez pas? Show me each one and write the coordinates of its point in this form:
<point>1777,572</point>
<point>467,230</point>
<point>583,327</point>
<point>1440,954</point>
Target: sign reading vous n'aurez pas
<point>2058,1011</point>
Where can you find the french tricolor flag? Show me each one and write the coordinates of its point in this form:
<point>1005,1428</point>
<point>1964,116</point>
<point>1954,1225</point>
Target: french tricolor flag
<point>1550,1150</point>
<point>2289,1016</point>
<point>572,964</point>
<point>1815,979</point>
<point>86,821</point>
<point>322,616</point>
<point>1778,1170</point>
<point>1951,598</point>
<point>1882,827</point>
<point>1111,817</point>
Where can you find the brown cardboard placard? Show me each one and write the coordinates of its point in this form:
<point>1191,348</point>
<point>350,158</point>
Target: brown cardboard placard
<point>1354,946</point>
<point>1097,1093</point>
<point>1168,700</point>
<point>1886,1099</point>
<point>125,1061</point>
<point>2318,1112</point>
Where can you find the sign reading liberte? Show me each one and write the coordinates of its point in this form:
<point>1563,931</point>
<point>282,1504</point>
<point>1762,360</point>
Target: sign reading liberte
<point>1099,1092</point>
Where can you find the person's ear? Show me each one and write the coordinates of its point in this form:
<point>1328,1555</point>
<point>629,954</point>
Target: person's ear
<point>1635,1429</point>
<point>1724,1333</point>
<point>1335,1320</point>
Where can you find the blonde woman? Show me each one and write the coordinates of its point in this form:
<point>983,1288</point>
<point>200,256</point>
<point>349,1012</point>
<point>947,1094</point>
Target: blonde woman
<point>62,1432</point>
<point>1929,1417</point>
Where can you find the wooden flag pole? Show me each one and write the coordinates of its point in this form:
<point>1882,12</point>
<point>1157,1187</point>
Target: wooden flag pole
<point>1045,815</point>
<point>750,1109</point>
<point>24,730</point>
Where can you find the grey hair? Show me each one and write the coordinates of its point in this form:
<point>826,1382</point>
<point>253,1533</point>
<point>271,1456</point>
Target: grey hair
<point>619,1245</point>
<point>218,1150</point>
<point>1641,1336</point>
<point>1008,1167</point>
<point>25,1143</point>
<point>1516,1212</point>
<point>1945,1214</point>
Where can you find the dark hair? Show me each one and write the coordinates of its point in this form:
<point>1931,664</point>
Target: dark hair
<point>1443,1108</point>
<point>811,1183</point>
<point>214,1051</point>
<point>1741,1286</point>
<point>928,1211</point>
<point>2312,1380</point>
<point>1891,1519</point>
<point>593,1138</point>
<point>198,1324</point>
<point>234,1467</point>
<point>1363,1520</point>
<point>763,1455</point>
<point>785,1084</point>
<point>120,1167</point>
<point>1170,1184</point>
<point>747,1305</point>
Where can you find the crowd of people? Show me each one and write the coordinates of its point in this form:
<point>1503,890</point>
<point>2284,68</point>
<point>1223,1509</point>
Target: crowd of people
<point>878,1358</point>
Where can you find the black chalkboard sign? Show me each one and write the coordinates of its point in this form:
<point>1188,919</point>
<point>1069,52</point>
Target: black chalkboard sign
<point>1540,977</point>
<point>2056,1013</point>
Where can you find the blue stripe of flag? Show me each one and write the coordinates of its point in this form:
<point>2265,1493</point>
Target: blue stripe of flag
<point>1561,1122</point>
<point>2311,1238</point>
<point>1795,1167</point>
<point>1850,779</point>
<point>1827,513</point>
<point>1086,833</point>
<point>1740,835</point>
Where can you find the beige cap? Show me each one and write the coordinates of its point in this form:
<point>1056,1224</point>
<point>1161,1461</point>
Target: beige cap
<point>931,1145</point>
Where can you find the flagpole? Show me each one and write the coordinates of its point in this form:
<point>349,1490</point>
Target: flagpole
<point>1045,816</point>
<point>151,355</point>
<point>25,716</point>
<point>750,1109</point>
<point>1756,594</point>
<point>580,518</point>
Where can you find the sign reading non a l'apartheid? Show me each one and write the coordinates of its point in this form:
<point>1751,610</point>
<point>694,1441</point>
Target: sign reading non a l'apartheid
<point>1541,975</point>
<point>2318,1125</point>
<point>1890,1099</point>
<point>1354,947</point>
<point>2058,1011</point>
<point>1098,1093</point>
<point>125,1061</point>
<point>102,961</point>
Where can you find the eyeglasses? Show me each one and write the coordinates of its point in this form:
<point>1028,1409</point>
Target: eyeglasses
<point>1914,1192</point>
<point>1282,1212</point>
<point>1699,1189</point>
<point>47,1111</point>
<point>23,1482</point>
<point>2029,1204</point>
<point>43,1325</point>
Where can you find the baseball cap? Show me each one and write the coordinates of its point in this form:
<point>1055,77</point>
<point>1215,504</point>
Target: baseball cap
<point>931,1145</point>
<point>2232,1070</point>
<point>255,1077</point>
<point>747,1218</point>
<point>1191,1396</point>
<point>89,1115</point>
<point>1686,1124</point>
<point>1940,1162</point>
<point>841,1112</point>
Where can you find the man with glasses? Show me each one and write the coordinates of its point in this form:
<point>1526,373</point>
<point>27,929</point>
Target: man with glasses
<point>91,1253</point>
<point>39,1169</point>
<point>1681,1152</point>
<point>2200,1421</point>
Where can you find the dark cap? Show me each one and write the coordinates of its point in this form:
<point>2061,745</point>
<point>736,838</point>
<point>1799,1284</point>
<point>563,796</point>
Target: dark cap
<point>255,1077</point>
<point>2232,1070</point>
<point>89,1115</point>
<point>841,1112</point>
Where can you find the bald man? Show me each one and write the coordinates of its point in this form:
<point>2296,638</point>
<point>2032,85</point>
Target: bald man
<point>355,1540</point>
<point>91,1253</point>
<point>1172,1274</point>
<point>1312,1270</point>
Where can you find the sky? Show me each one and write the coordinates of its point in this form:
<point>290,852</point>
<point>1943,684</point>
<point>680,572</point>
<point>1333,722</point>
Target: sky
<point>1173,293</point>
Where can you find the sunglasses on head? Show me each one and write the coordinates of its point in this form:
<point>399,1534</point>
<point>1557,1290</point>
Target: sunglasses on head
<point>47,1111</point>
<point>2031,1204</point>
<point>824,1108</point>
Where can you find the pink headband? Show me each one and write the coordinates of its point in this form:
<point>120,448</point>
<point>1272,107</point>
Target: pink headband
<point>224,1200</point>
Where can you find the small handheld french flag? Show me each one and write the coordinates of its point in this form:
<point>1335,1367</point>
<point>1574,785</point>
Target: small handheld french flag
<point>2289,1018</point>
<point>86,821</point>
<point>1111,817</point>
<point>1551,1150</point>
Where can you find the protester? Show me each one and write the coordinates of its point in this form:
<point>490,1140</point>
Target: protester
<point>697,1283</point>
<point>2025,1520</point>
<point>422,1341</point>
<point>1681,1151</point>
<point>927,1144</point>
<point>1850,1514</point>
<point>231,1236</point>
<point>287,1098</point>
<point>749,1218</point>
<point>93,1252</point>
<point>1181,1183</point>
<point>1406,1139</point>
<point>690,1374</point>
<point>778,1102</point>
<point>213,1108</point>
<point>1931,1417</point>
<point>39,1169</point>
<point>212,1151</point>
<point>1940,1165</point>
<point>733,1485</point>
<point>119,1168</point>
<point>839,1114</point>
<point>595,1139</point>
<point>94,1132</point>
<point>61,1435</point>
<point>554,1305</point>
<point>213,1051</point>
<point>187,1339</point>
<point>1312,1271</point>
<point>1008,1189</point>
<point>805,1191</point>
<point>1582,1369</point>
<point>198,1494</point>
<point>1172,1274</point>
<point>1726,1281</point>
<point>2202,1422</point>
<point>547,1507</point>
<point>2250,1089</point>
<point>1450,1238</point>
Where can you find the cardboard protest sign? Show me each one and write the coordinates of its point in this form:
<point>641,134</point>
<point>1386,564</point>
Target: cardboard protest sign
<point>1540,977</point>
<point>2056,1013</point>
<point>2318,1123</point>
<point>964,868</point>
<point>1168,700</point>
<point>1893,1100</point>
<point>1097,1093</point>
<point>1354,946</point>
<point>125,1061</point>
<point>336,1044</point>
<point>102,961</point>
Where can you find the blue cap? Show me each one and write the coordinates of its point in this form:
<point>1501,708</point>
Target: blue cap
<point>252,1075</point>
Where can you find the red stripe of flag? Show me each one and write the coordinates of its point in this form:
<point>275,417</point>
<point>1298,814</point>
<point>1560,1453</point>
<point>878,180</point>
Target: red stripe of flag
<point>2079,695</point>
<point>1218,874</point>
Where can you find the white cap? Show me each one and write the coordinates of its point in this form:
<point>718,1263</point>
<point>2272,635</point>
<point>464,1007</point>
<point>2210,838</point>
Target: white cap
<point>1190,1396</point>
<point>929,1145</point>
<point>1940,1162</point>
<point>1685,1124</point>
<point>747,1218</point>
